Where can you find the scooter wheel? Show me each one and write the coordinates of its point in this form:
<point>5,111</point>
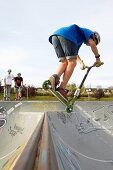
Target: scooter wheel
<point>46,85</point>
<point>69,109</point>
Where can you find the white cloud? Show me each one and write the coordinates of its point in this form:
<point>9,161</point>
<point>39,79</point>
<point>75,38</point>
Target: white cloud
<point>12,57</point>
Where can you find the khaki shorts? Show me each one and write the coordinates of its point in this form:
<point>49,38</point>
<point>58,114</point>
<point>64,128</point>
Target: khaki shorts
<point>18,89</point>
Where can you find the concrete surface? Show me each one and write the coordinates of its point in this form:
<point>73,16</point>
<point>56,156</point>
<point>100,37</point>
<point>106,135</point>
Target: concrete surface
<point>16,132</point>
<point>82,140</point>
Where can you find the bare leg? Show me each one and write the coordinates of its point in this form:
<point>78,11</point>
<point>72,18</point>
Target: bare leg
<point>16,95</point>
<point>68,72</point>
<point>62,67</point>
<point>20,95</point>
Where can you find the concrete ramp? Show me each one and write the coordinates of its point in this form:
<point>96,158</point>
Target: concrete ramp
<point>17,130</point>
<point>41,136</point>
<point>80,142</point>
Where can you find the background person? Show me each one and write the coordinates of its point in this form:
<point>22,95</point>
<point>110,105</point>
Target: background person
<point>18,86</point>
<point>7,84</point>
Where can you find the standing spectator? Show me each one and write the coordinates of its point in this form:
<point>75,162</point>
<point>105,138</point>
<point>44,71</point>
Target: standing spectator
<point>18,86</point>
<point>7,85</point>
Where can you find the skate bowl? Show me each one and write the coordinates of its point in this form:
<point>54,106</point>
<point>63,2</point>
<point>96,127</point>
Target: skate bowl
<point>41,136</point>
<point>20,122</point>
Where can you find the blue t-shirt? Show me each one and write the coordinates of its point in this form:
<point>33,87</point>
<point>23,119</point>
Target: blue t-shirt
<point>74,33</point>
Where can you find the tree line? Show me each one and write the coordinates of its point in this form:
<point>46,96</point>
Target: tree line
<point>98,93</point>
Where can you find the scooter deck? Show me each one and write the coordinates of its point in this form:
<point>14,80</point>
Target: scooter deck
<point>47,86</point>
<point>66,103</point>
<point>59,97</point>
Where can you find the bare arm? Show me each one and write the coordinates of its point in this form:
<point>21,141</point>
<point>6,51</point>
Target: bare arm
<point>4,82</point>
<point>22,83</point>
<point>93,47</point>
<point>80,61</point>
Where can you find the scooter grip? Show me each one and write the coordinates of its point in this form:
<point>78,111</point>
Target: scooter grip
<point>99,64</point>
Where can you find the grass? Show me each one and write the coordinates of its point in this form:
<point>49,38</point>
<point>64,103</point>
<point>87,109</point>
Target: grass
<point>52,98</point>
<point>94,99</point>
<point>12,97</point>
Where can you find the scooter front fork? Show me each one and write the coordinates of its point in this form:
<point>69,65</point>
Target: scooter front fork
<point>69,108</point>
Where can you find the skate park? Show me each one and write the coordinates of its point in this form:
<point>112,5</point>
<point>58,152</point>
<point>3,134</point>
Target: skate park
<point>36,132</point>
<point>41,135</point>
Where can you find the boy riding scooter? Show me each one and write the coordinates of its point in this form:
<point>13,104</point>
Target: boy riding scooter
<point>67,42</point>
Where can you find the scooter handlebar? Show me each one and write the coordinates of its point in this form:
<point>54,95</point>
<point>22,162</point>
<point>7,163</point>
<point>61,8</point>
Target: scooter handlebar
<point>95,65</point>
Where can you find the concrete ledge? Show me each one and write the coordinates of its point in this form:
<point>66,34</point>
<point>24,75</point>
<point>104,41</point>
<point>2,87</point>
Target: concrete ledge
<point>27,159</point>
<point>47,158</point>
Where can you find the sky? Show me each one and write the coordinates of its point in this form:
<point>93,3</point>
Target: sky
<point>25,26</point>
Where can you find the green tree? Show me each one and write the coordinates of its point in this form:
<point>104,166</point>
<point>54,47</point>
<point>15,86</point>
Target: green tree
<point>71,87</point>
<point>99,93</point>
<point>31,90</point>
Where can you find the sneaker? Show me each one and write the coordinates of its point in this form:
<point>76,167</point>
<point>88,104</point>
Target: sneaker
<point>8,99</point>
<point>55,80</point>
<point>4,98</point>
<point>20,98</point>
<point>63,92</point>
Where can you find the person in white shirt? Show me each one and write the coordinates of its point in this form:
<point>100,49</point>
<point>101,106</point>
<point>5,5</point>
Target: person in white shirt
<point>7,85</point>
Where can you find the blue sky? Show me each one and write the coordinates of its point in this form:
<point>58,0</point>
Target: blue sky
<point>25,26</point>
